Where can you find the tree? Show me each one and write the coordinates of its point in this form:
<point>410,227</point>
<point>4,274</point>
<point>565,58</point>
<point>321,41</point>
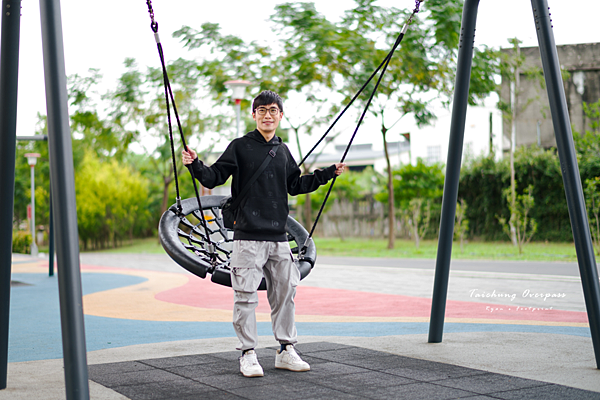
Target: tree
<point>283,66</point>
<point>408,76</point>
<point>91,127</point>
<point>110,204</point>
<point>326,62</point>
<point>415,185</point>
<point>511,69</point>
<point>344,191</point>
<point>483,181</point>
<point>108,125</point>
<point>138,110</point>
<point>418,222</point>
<point>23,181</point>
<point>417,181</point>
<point>417,75</point>
<point>513,65</point>
<point>525,226</point>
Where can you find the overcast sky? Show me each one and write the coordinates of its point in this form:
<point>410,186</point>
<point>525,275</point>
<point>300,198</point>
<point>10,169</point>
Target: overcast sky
<point>102,34</point>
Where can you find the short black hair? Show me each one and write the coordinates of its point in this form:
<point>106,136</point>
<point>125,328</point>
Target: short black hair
<point>265,98</point>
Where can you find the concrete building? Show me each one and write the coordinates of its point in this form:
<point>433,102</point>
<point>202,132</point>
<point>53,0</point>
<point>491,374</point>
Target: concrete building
<point>534,121</point>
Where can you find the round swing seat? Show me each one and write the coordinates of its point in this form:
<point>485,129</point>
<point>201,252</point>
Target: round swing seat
<point>183,237</point>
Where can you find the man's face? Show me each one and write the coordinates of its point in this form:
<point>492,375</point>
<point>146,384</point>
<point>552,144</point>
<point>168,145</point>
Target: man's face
<point>267,118</point>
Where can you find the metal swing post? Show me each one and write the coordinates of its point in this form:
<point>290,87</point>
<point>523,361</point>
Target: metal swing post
<point>570,169</point>
<point>455,148</point>
<point>62,176</point>
<point>568,161</point>
<point>9,74</point>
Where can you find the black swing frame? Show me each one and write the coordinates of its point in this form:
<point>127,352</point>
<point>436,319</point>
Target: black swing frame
<point>568,161</point>
<point>76,378</point>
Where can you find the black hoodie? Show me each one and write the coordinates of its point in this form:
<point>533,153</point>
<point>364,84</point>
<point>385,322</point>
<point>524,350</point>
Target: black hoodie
<point>263,212</point>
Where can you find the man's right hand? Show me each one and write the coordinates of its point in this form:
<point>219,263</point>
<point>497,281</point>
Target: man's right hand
<point>187,157</point>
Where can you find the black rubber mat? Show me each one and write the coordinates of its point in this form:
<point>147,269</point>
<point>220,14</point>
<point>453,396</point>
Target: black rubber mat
<point>337,372</point>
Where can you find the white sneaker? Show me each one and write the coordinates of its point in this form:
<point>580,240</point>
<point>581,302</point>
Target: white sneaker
<point>249,366</point>
<point>290,360</point>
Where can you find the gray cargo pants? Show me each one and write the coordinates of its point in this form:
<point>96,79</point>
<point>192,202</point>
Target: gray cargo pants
<point>251,260</point>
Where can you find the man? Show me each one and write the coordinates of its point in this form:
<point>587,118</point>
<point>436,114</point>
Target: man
<point>260,245</point>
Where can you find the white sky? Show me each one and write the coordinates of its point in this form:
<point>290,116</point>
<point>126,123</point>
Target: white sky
<point>102,34</point>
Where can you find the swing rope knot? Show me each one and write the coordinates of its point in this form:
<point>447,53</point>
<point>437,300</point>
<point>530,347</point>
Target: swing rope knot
<point>153,23</point>
<point>415,11</point>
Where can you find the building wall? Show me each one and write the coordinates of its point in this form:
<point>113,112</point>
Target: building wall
<point>582,62</point>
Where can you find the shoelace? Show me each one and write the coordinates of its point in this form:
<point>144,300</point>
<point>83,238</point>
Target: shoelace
<point>250,360</point>
<point>292,354</point>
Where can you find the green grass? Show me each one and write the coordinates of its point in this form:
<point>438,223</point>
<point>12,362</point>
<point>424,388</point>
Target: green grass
<point>139,246</point>
<point>354,247</point>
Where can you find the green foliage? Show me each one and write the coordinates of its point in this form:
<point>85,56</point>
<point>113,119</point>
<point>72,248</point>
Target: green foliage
<point>21,242</point>
<point>592,111</point>
<point>349,186</point>
<point>509,63</point>
<point>23,182</point>
<point>341,56</point>
<point>110,202</point>
<point>319,60</point>
<point>419,218</point>
<point>592,201</point>
<point>485,67</point>
<point>224,58</point>
<point>525,226</point>
<point>94,132</point>
<point>415,181</point>
<point>482,183</point>
<point>138,103</point>
<point>310,57</point>
<point>446,17</point>
<point>588,144</point>
<point>420,181</point>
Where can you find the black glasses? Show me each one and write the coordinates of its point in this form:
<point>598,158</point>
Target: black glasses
<point>263,110</point>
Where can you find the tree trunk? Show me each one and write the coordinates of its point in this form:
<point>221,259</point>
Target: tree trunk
<point>166,183</point>
<point>513,145</point>
<point>417,238</point>
<point>307,212</point>
<point>391,212</point>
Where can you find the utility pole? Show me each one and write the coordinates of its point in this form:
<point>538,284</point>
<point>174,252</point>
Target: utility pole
<point>32,161</point>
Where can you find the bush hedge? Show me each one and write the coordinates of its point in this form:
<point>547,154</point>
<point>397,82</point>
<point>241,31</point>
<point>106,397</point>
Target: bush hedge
<point>483,180</point>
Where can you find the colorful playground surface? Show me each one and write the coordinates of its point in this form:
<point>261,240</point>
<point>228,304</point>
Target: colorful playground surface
<point>159,306</point>
<point>129,304</point>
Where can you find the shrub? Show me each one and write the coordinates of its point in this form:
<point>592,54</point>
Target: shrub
<point>111,201</point>
<point>482,182</point>
<point>21,242</point>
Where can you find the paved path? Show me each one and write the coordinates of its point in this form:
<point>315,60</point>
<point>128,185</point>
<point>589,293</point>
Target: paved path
<point>518,267</point>
<point>525,320</point>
